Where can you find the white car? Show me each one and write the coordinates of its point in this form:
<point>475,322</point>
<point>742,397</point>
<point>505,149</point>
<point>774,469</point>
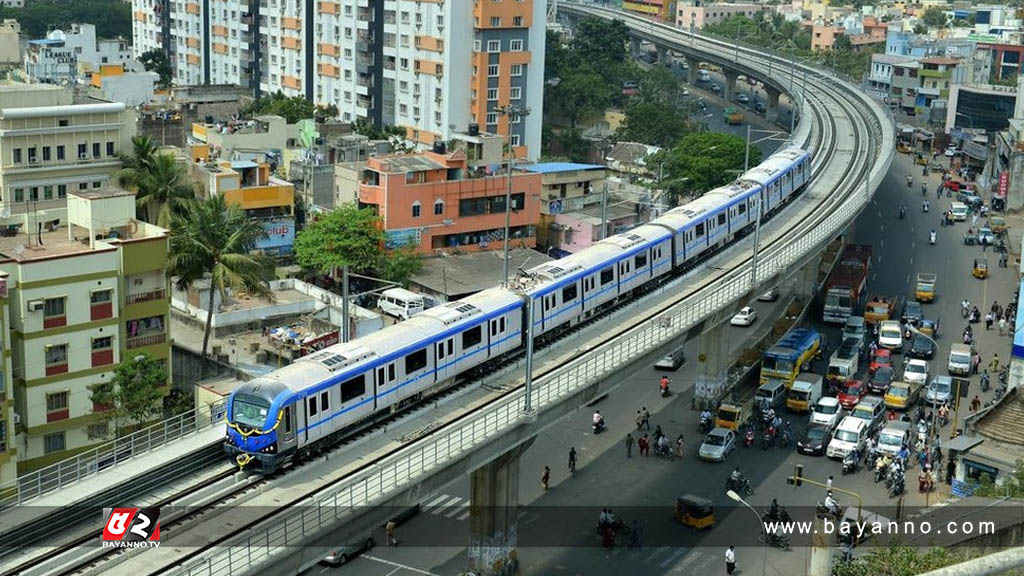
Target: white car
<point>916,371</point>
<point>745,317</point>
<point>987,234</point>
<point>827,411</point>
<point>952,151</point>
<point>769,296</point>
<point>890,335</point>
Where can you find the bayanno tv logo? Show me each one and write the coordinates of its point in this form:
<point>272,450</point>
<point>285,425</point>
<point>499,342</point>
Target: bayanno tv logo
<point>131,528</point>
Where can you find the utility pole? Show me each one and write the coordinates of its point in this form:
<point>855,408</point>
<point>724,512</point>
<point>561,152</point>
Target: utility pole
<point>528,401</point>
<point>736,56</point>
<point>604,211</point>
<point>757,224</point>
<point>509,112</point>
<point>344,305</point>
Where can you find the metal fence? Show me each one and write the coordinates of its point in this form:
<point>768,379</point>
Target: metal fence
<point>433,452</point>
<point>105,456</point>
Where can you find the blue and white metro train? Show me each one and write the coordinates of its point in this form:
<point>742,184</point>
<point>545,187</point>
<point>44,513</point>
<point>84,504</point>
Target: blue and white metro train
<point>304,407</point>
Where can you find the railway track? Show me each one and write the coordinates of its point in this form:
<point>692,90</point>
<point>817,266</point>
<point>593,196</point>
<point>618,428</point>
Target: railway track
<point>825,103</point>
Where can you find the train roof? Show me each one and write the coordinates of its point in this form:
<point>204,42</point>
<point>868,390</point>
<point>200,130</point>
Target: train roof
<point>636,237</point>
<point>479,304</point>
<point>551,273</point>
<point>769,170</point>
<point>726,194</point>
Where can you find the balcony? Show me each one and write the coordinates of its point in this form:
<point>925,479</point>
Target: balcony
<point>146,296</point>
<point>146,340</point>
<point>929,73</point>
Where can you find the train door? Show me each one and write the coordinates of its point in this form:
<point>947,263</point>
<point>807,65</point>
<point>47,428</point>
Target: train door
<point>317,406</point>
<point>385,381</point>
<point>286,433</point>
<point>625,267</point>
<point>445,359</point>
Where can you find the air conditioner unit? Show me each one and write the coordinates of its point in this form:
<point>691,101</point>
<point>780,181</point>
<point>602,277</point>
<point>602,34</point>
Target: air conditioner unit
<point>35,305</point>
<point>33,160</point>
<point>83,156</point>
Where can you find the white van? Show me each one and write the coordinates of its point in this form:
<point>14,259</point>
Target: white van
<point>851,434</point>
<point>403,304</point>
<point>959,210</point>
<point>703,76</point>
<point>894,436</point>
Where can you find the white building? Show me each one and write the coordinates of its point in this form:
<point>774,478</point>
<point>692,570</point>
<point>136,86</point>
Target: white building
<point>72,54</point>
<point>431,67</point>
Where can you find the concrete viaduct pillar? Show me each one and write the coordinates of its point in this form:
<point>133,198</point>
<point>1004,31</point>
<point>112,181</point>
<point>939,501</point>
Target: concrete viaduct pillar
<point>494,515</point>
<point>713,367</point>
<point>691,75</point>
<point>662,55</point>
<point>772,106</point>
<point>730,85</point>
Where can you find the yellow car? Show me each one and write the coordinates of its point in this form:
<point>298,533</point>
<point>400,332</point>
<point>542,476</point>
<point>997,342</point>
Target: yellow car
<point>901,395</point>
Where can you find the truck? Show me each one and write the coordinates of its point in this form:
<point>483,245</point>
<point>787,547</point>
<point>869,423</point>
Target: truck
<point>881,308</point>
<point>844,289</point>
<point>805,392</point>
<point>924,291</point>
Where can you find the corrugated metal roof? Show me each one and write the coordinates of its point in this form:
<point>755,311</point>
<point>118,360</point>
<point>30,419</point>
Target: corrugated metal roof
<point>555,167</point>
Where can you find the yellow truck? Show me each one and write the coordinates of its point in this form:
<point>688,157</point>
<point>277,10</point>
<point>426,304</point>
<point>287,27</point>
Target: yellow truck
<point>925,289</point>
<point>902,395</point>
<point>882,308</point>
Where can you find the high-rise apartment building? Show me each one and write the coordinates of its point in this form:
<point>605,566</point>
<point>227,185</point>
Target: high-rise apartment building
<point>432,67</point>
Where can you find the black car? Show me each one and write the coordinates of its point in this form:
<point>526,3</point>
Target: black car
<point>880,380</point>
<point>922,347</point>
<point>814,440</point>
<point>912,313</point>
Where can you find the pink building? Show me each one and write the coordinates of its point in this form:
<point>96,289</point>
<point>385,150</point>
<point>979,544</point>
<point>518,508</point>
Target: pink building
<point>578,230</point>
<point>696,14</point>
<point>434,202</point>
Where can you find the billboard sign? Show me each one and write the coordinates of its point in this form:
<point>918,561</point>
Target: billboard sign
<point>280,236</point>
<point>319,343</point>
<point>1004,184</point>
<point>403,237</point>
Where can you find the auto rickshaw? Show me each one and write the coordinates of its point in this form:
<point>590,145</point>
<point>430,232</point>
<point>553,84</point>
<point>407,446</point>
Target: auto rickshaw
<point>921,159</point>
<point>997,224</point>
<point>729,416</point>
<point>696,512</point>
<point>970,237</point>
<point>929,328</point>
<point>980,270</point>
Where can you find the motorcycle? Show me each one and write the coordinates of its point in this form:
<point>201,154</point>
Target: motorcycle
<point>665,452</point>
<point>767,438</point>
<point>903,212</point>
<point>850,464</point>
<point>931,238</point>
<point>984,382</point>
<point>598,426</point>
<point>822,511</point>
<point>924,188</point>
<point>781,516</point>
<point>925,206</point>
<point>910,181</point>
<point>897,486</point>
<point>786,439</point>
<point>780,541</point>
<point>741,486</point>
<point>705,425</point>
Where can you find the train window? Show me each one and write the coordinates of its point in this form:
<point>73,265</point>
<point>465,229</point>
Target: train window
<point>380,376</point>
<point>440,350</point>
<point>391,372</point>
<point>721,219</point>
<point>416,361</point>
<point>323,401</point>
<point>312,406</point>
<point>451,345</point>
<point>607,275</point>
<point>502,324</point>
<point>741,209</point>
<point>640,260</point>
<point>471,337</point>
<point>569,293</point>
<point>287,418</point>
<point>353,388</point>
<point>699,230</point>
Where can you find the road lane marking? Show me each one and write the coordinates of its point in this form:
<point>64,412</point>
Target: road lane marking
<point>399,566</point>
<point>440,506</point>
<point>435,501</point>
<point>679,553</point>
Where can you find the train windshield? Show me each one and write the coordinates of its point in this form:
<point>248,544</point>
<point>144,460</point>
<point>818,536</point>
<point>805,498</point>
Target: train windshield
<point>250,410</point>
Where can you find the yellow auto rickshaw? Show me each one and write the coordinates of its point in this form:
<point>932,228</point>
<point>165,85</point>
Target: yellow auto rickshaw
<point>929,328</point>
<point>980,270</point>
<point>696,512</point>
<point>997,224</point>
<point>729,416</point>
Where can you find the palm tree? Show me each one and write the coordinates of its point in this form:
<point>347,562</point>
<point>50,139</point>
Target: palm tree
<point>161,184</point>
<point>215,238</point>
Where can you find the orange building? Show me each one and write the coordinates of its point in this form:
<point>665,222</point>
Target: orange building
<point>434,201</point>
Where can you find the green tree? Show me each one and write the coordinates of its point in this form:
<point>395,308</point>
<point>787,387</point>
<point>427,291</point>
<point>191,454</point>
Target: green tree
<point>112,19</point>
<point>573,145</point>
<point>599,41</point>
<point>1012,487</point>
<point>133,395</point>
<point>934,17</point>
<point>900,560</point>
<point>581,94</point>
<point>346,236</point>
<point>291,108</point>
<point>703,161</point>
<point>157,61</point>
<point>653,122</point>
<point>163,189</point>
<point>400,265</point>
<point>217,239</point>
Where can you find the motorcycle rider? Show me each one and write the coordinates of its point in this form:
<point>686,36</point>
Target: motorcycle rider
<point>924,205</point>
<point>598,420</point>
<point>705,416</point>
<point>831,504</point>
<point>910,180</point>
<point>903,211</point>
<point>931,237</point>
<point>664,385</point>
<point>773,512</point>
<point>662,446</point>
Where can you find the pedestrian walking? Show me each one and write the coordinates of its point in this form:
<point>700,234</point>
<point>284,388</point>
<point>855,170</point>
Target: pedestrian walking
<point>572,460</point>
<point>984,243</point>
<point>730,560</point>
<point>828,484</point>
<point>545,477</point>
<point>639,420</point>
<point>975,362</point>
<point>974,221</point>
<point>950,471</point>
<point>988,321</point>
<point>975,403</point>
<point>634,535</point>
<point>647,418</point>
<point>993,366</point>
<point>644,445</point>
<point>679,446</point>
<point>629,445</point>
<point>1002,326</point>
<point>389,529</point>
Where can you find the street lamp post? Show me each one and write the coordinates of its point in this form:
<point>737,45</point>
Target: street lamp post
<point>509,111</point>
<point>736,498</point>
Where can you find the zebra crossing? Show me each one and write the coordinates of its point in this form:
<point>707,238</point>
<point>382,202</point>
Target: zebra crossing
<point>448,506</point>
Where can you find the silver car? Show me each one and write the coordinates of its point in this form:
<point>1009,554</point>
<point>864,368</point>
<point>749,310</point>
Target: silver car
<point>717,445</point>
<point>940,390</point>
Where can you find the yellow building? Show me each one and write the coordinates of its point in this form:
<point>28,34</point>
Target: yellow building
<point>82,297</point>
<point>50,147</point>
<point>264,197</point>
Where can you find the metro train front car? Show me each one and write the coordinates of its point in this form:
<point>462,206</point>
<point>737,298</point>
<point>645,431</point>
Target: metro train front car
<point>254,420</point>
